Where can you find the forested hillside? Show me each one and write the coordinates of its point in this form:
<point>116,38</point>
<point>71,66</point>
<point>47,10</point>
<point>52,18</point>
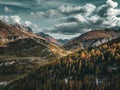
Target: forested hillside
<point>94,69</point>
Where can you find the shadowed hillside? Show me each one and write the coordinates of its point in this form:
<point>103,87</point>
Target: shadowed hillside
<point>93,69</point>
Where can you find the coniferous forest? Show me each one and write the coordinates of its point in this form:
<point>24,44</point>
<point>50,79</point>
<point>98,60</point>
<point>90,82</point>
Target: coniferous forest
<point>87,69</point>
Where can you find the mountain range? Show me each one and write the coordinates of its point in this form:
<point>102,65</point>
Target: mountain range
<point>11,36</point>
<point>20,39</point>
<point>92,39</point>
<point>40,58</point>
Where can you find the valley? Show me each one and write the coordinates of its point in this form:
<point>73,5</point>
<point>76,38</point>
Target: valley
<point>59,44</point>
<point>31,61</point>
<point>96,68</point>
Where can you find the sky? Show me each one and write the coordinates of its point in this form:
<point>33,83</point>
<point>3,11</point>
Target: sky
<point>62,19</point>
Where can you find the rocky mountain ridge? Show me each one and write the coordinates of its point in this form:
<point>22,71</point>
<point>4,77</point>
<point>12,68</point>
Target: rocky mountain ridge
<point>91,39</point>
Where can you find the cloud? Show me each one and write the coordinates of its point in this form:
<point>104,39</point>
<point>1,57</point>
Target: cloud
<point>32,25</point>
<point>10,19</point>
<point>86,10</point>
<point>39,1</point>
<point>68,28</point>
<point>65,27</point>
<point>109,9</point>
<point>6,9</point>
<point>88,17</point>
<point>62,36</point>
<point>65,10</point>
<point>17,20</point>
<point>14,3</point>
<point>111,3</point>
<point>46,14</point>
<point>76,17</point>
<point>109,13</point>
<point>68,9</point>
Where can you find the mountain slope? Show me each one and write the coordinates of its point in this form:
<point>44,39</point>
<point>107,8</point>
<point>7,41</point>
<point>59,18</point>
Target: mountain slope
<point>48,38</point>
<point>91,39</point>
<point>85,70</point>
<point>20,41</point>
<point>22,51</point>
<point>34,47</point>
<point>11,30</point>
<point>21,27</point>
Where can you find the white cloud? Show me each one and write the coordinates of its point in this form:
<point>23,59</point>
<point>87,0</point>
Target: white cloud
<point>66,10</point>
<point>52,13</point>
<point>63,36</point>
<point>32,25</point>
<point>48,14</point>
<point>77,19</point>
<point>70,24</point>
<point>6,9</point>
<point>110,12</point>
<point>4,18</point>
<point>17,20</point>
<point>11,19</point>
<point>80,18</point>
<point>27,23</point>
<point>113,12</point>
<point>88,18</point>
<point>14,3</point>
<point>37,14</point>
<point>94,18</point>
<point>111,3</point>
<point>38,1</point>
<point>88,9</point>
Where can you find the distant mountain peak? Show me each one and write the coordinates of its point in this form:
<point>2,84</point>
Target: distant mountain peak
<point>48,37</point>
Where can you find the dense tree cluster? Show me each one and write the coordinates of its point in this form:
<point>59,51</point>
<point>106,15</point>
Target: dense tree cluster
<point>93,69</point>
